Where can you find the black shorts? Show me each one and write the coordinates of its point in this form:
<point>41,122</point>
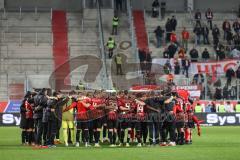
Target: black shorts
<point>30,123</point>
<point>190,125</point>
<point>141,125</point>
<point>111,124</point>
<point>124,124</point>
<point>59,123</point>
<point>138,125</point>
<point>23,122</point>
<point>180,124</point>
<point>105,119</point>
<point>97,123</point>
<point>82,125</point>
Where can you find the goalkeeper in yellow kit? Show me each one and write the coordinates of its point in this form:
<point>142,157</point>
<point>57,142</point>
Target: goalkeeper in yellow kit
<point>68,121</point>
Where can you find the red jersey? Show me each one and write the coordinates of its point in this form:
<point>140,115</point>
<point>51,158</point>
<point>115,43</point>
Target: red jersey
<point>173,37</point>
<point>97,112</point>
<point>29,110</point>
<point>177,109</point>
<point>112,114</point>
<point>140,110</point>
<point>126,103</point>
<point>183,94</point>
<point>97,101</point>
<point>81,109</point>
<point>189,108</point>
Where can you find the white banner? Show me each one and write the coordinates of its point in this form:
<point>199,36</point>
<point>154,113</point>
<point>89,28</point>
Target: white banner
<point>211,67</point>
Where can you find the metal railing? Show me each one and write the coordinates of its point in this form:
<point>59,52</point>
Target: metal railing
<point>132,30</point>
<point>102,48</point>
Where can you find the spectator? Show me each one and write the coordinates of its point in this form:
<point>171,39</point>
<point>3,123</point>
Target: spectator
<point>170,82</point>
<point>141,55</point>
<point>225,92</point>
<point>221,108</point>
<point>185,65</point>
<point>166,53</point>
<point>236,66</point>
<point>155,9</point>
<point>194,55</point>
<point>163,9</point>
<point>229,75</point>
<point>213,107</point>
<point>205,32</point>
<point>216,35</point>
<point>150,78</point>
<point>199,108</point>
<point>173,22</point>
<point>208,91</point>
<point>236,26</point>
<point>159,34</point>
<point>115,23</point>
<point>236,40</point>
<point>198,17</point>
<point>238,72</point>
<point>234,53</point>
<point>237,107</point>
<point>205,54</point>
<point>229,37</point>
<point>209,17</point>
<point>198,32</point>
<point>173,38</point>
<point>118,61</point>
<point>172,48</point>
<point>220,55</point>
<point>218,94</point>
<point>185,38</point>
<point>198,78</point>
<point>208,107</point>
<point>233,92</point>
<point>226,27</point>
<point>176,68</point>
<point>119,5</point>
<point>181,53</point>
<point>148,60</point>
<point>228,107</point>
<point>167,67</point>
<point>168,28</point>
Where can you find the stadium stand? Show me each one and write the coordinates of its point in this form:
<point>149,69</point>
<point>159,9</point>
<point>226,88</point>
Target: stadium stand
<point>28,43</point>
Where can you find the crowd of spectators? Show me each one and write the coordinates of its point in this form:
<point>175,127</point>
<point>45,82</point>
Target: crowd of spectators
<point>223,40</point>
<point>201,32</point>
<point>214,107</point>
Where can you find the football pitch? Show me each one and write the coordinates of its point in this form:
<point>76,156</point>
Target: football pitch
<point>219,143</point>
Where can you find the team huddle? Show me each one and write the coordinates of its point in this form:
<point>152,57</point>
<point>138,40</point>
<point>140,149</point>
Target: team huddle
<point>121,118</point>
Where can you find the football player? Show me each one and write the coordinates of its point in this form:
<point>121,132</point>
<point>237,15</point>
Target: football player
<point>125,107</point>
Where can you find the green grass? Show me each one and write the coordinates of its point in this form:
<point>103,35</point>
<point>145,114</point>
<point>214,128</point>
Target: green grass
<point>219,143</point>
